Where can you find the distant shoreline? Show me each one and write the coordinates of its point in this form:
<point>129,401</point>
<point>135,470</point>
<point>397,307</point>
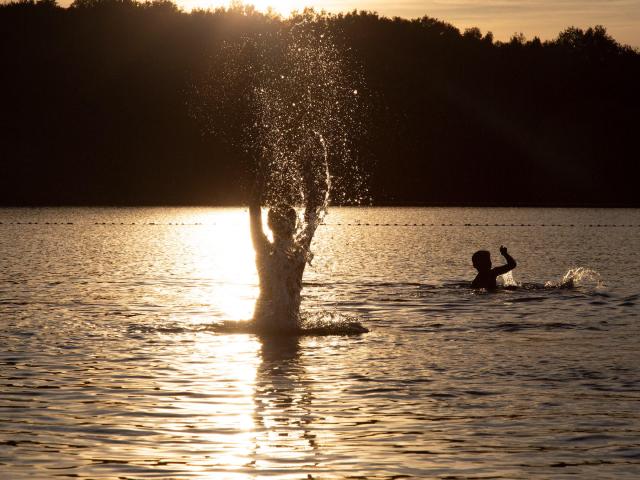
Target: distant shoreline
<point>119,103</point>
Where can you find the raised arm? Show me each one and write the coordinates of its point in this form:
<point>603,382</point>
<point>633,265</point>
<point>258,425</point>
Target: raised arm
<point>511,263</point>
<point>260,241</point>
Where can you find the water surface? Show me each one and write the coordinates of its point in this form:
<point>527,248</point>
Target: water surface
<point>110,368</point>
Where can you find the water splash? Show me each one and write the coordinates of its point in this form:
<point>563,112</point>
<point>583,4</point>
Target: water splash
<point>282,96</point>
<point>304,99</point>
<point>326,324</point>
<point>295,100</point>
<point>508,280</point>
<point>579,277</point>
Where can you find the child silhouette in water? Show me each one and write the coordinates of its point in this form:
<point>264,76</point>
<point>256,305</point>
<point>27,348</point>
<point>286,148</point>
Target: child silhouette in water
<point>486,277</point>
<point>281,263</point>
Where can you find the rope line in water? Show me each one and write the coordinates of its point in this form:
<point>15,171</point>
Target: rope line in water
<point>178,224</point>
<point>477,225</point>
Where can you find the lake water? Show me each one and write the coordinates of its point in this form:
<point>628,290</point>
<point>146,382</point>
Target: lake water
<point>109,368</point>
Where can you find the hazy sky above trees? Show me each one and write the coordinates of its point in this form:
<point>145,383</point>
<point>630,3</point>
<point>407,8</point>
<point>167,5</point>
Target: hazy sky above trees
<point>543,18</point>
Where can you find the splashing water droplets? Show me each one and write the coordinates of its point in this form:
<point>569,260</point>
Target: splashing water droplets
<point>306,114</point>
<point>274,95</point>
<point>508,280</point>
<point>579,277</point>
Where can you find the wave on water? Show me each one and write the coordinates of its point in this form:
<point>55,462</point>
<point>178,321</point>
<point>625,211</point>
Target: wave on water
<point>325,324</point>
<point>444,299</point>
<point>317,324</point>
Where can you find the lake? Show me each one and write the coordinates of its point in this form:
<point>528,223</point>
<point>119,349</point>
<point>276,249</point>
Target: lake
<point>110,368</point>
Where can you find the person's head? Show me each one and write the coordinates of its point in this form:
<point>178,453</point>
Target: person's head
<point>282,220</point>
<point>481,260</point>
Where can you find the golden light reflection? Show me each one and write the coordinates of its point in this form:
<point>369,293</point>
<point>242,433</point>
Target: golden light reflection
<point>215,412</point>
<point>284,425</point>
<point>223,258</point>
<point>242,403</point>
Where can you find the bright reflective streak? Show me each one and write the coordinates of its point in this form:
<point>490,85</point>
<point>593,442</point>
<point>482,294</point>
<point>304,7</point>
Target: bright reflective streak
<point>223,258</point>
<point>215,414</point>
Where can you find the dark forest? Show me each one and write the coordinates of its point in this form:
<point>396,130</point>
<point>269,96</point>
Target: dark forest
<point>98,104</point>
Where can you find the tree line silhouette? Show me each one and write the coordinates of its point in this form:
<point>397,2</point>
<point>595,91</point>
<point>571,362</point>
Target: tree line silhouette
<point>98,103</point>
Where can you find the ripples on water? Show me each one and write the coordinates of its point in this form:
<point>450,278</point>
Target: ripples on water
<point>110,368</point>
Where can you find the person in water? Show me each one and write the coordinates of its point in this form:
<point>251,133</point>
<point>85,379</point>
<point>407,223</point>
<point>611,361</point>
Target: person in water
<point>281,263</point>
<point>487,276</point>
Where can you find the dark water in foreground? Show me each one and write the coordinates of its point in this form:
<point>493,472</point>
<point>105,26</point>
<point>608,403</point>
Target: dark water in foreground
<point>109,366</point>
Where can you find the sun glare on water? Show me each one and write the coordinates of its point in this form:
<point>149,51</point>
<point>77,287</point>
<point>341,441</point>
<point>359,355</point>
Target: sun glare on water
<point>223,259</point>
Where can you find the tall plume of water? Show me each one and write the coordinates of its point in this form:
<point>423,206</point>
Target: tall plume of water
<point>297,101</point>
<point>306,106</point>
<point>292,93</point>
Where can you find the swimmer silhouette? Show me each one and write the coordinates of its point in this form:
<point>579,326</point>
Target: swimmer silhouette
<point>486,277</point>
<point>281,263</point>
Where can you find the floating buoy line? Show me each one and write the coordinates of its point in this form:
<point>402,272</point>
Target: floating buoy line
<point>357,224</point>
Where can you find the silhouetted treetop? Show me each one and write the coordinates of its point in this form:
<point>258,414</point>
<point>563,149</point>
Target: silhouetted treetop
<point>108,102</point>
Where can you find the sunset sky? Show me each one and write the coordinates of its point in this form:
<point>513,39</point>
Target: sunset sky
<point>543,18</point>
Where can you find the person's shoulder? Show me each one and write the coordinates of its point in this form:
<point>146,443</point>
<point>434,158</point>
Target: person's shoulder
<point>263,248</point>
